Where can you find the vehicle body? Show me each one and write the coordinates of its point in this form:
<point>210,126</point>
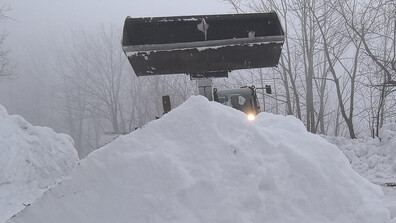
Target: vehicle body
<point>243,99</point>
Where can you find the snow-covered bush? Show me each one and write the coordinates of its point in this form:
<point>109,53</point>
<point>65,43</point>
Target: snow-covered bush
<point>32,158</point>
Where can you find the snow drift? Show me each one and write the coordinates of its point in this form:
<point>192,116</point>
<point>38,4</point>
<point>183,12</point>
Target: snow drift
<point>31,159</point>
<point>375,159</point>
<point>204,162</point>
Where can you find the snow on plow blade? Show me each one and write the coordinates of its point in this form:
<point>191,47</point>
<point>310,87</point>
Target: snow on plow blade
<point>202,44</point>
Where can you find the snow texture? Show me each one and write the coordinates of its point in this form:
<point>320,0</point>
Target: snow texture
<point>32,158</point>
<point>372,158</point>
<point>205,162</point>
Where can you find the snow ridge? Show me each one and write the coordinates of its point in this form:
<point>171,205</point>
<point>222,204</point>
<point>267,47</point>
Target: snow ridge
<point>32,159</point>
<point>205,162</point>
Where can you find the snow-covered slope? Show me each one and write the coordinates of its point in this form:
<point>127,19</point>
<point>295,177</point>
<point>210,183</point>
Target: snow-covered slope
<point>374,159</point>
<point>31,159</point>
<point>204,162</point>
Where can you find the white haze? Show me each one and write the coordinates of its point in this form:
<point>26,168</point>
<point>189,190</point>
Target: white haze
<point>40,20</point>
<point>42,23</point>
<point>40,31</point>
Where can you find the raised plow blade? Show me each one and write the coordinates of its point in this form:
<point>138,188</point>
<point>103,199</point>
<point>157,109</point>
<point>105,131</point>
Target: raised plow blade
<point>202,45</point>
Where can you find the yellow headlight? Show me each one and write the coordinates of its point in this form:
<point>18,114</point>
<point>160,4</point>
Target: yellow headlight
<point>251,117</point>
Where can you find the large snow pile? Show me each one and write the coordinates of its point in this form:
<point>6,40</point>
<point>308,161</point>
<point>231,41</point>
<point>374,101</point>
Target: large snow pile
<point>31,159</point>
<point>204,162</point>
<point>372,158</point>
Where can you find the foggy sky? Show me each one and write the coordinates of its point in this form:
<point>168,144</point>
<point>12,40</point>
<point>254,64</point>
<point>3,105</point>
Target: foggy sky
<point>44,22</point>
<point>39,27</point>
<point>39,20</point>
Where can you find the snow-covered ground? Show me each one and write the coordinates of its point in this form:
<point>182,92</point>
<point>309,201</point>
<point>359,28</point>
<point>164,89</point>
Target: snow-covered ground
<point>372,158</point>
<point>31,159</point>
<point>204,162</point>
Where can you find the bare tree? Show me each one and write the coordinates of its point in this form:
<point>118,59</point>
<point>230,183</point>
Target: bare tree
<point>101,96</point>
<point>332,54</point>
<point>73,98</point>
<point>374,24</point>
<point>99,58</point>
<point>93,87</point>
<point>351,44</point>
<point>4,62</point>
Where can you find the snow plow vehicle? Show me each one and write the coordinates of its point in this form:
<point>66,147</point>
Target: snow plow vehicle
<point>243,99</point>
<point>203,46</point>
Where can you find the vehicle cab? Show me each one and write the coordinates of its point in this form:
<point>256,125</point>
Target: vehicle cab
<point>243,99</point>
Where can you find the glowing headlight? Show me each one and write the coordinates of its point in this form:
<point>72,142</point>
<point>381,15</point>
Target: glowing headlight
<point>251,117</point>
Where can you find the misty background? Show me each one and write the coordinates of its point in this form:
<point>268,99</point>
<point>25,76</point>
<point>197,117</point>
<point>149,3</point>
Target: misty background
<point>68,72</point>
<point>40,35</point>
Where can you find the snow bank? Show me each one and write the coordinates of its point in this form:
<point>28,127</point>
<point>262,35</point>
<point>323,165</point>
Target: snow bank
<point>204,162</point>
<point>372,158</point>
<point>31,159</point>
<point>387,133</point>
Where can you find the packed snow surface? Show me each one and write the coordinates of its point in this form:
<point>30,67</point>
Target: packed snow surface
<point>31,159</point>
<point>205,162</point>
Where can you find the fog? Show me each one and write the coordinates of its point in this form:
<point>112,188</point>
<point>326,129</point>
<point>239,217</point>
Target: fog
<point>42,31</point>
<point>65,54</point>
<point>45,22</point>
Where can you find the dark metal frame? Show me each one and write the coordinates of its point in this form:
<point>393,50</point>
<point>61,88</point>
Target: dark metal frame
<point>171,45</point>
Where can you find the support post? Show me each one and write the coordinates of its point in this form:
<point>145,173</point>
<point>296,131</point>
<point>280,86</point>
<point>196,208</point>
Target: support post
<point>205,88</point>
